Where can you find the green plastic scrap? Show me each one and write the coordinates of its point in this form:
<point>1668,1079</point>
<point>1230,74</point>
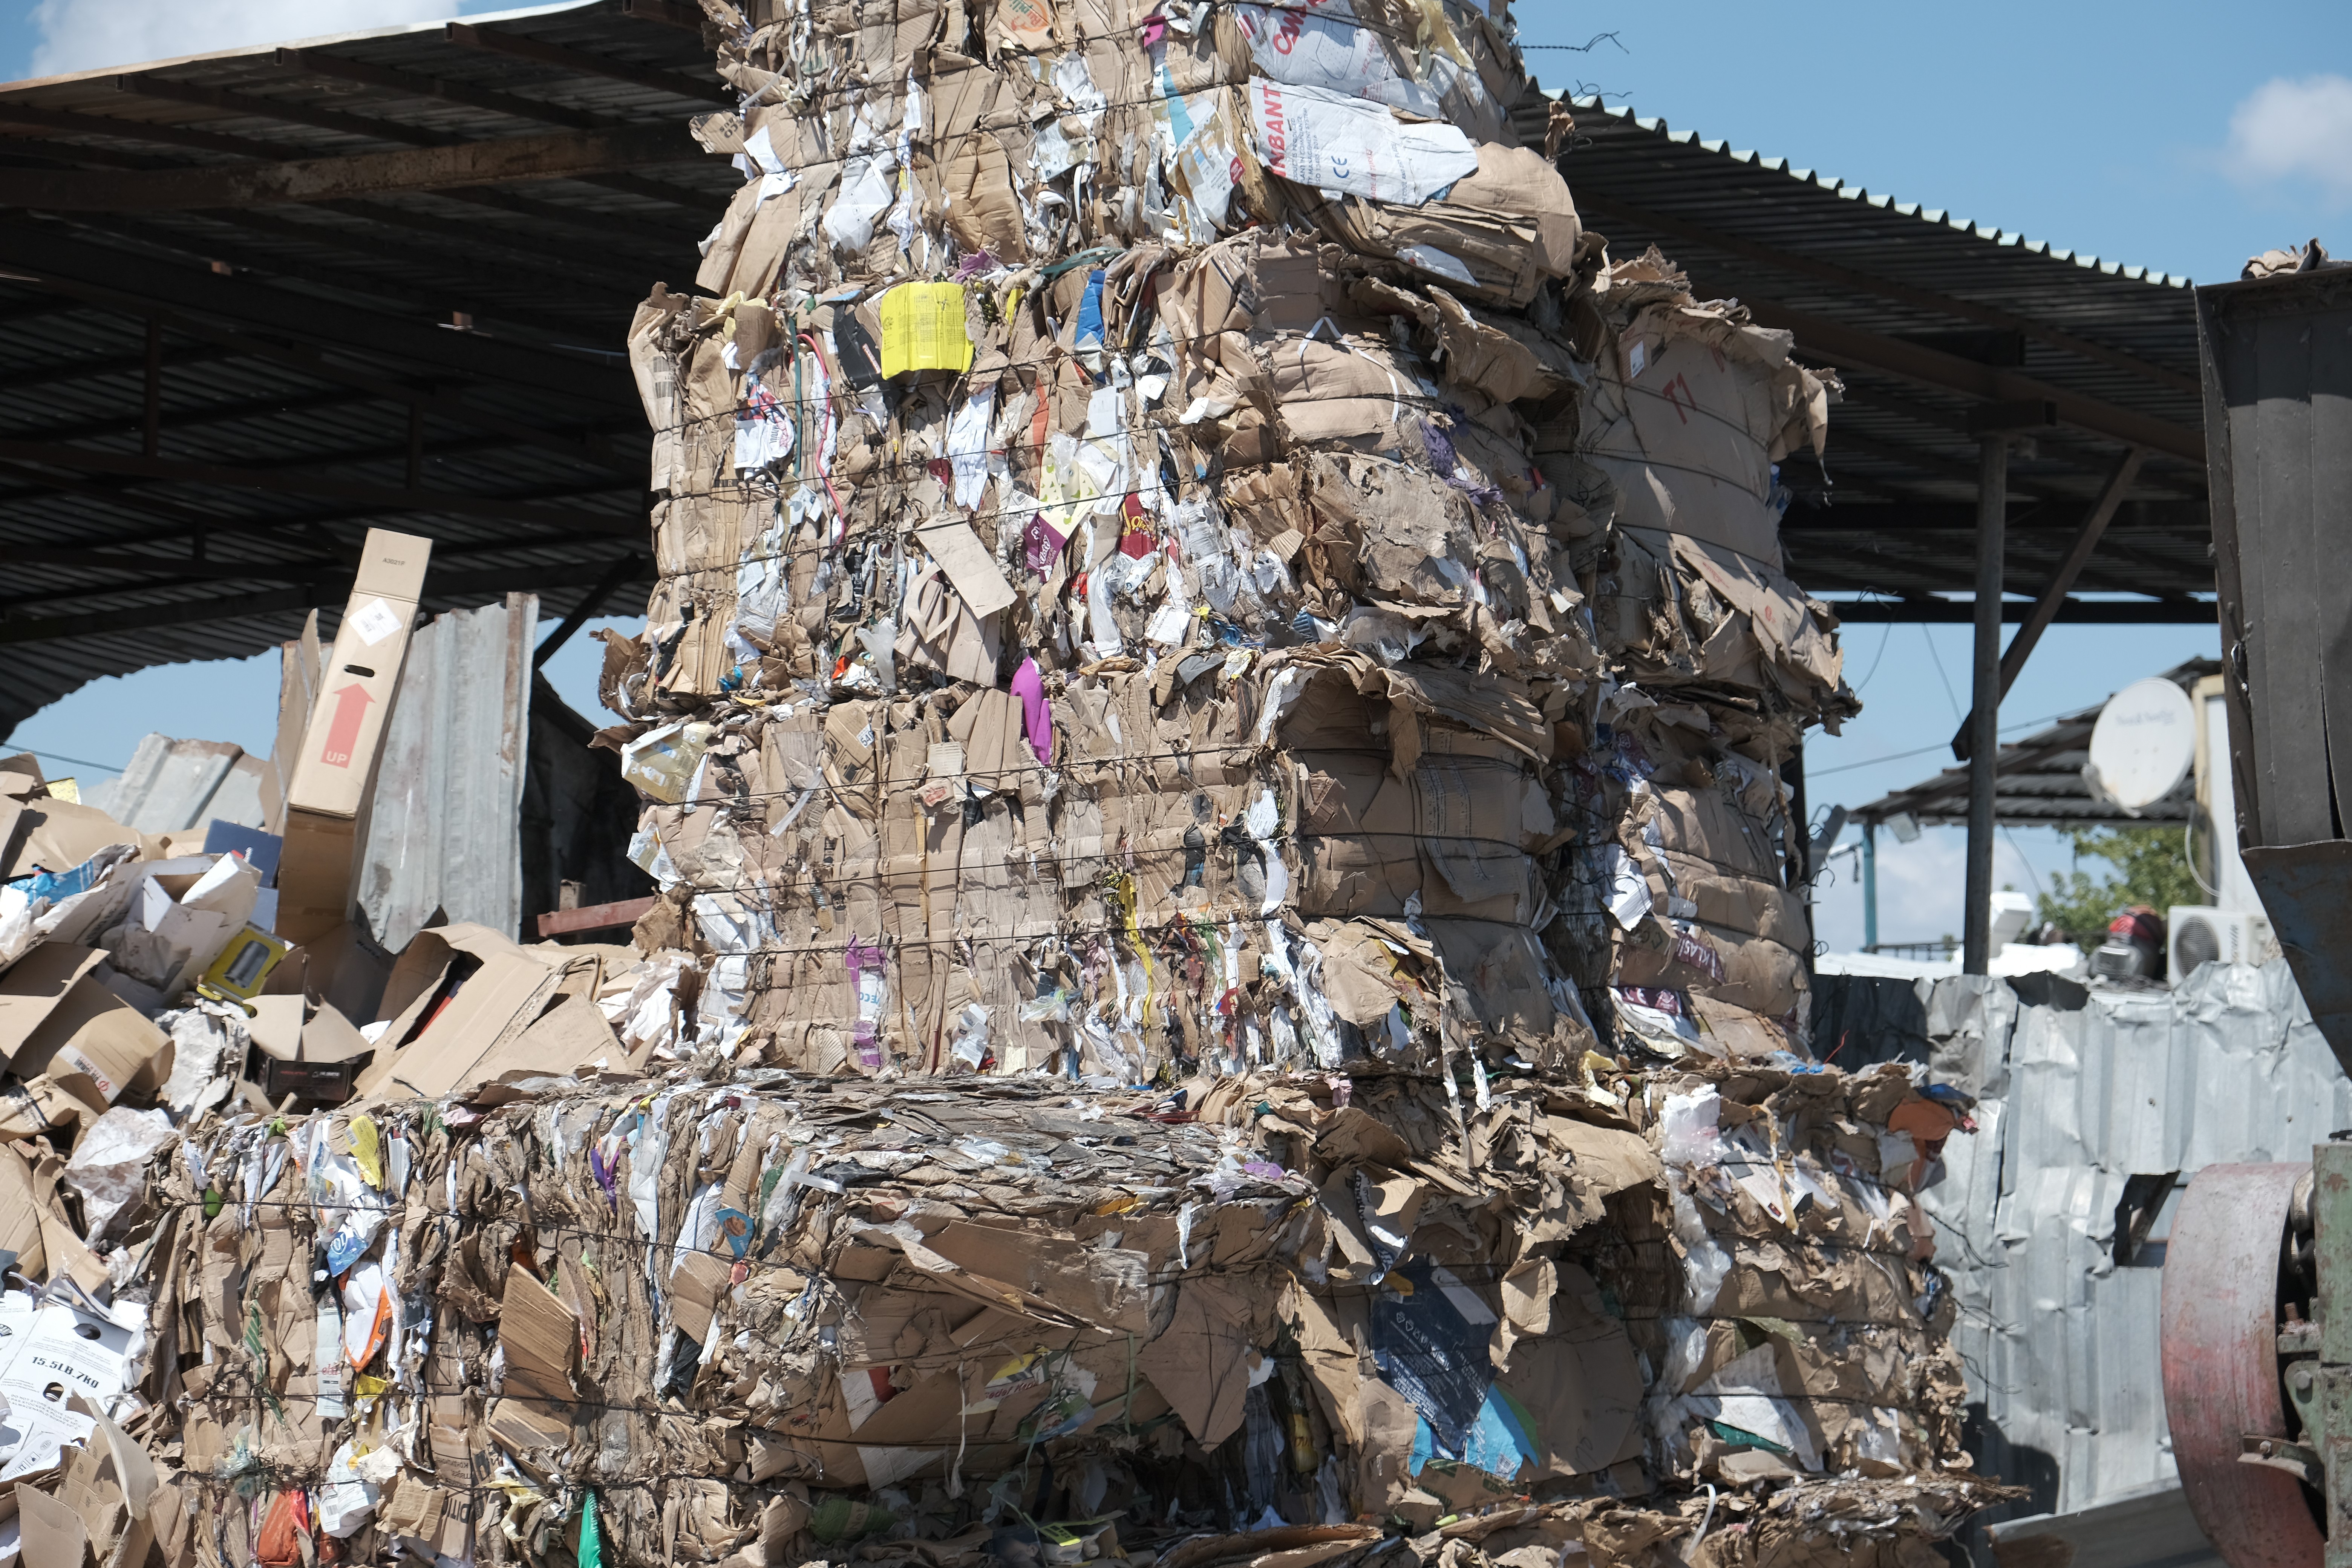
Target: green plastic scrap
<point>1739,1437</point>
<point>839,1519</point>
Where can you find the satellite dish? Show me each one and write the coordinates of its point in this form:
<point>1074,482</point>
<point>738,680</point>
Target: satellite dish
<point>2142,744</point>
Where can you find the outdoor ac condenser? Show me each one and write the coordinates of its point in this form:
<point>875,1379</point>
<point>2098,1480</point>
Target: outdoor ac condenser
<point>2199,934</point>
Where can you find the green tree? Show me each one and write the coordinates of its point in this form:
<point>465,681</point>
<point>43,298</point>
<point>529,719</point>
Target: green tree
<point>2154,870</point>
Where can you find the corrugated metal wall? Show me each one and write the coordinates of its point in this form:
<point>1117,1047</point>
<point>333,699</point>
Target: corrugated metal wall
<point>2078,1092</point>
<point>177,786</point>
<point>446,830</point>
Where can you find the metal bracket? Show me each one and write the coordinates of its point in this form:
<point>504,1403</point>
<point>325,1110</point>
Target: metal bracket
<point>2301,1463</point>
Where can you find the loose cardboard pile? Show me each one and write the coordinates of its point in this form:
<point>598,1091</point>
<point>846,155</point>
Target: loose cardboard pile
<point>1228,983</point>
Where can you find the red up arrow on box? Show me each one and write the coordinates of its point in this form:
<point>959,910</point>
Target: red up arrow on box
<point>343,729</point>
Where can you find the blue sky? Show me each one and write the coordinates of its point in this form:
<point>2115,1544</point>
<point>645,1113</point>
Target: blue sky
<point>2158,135</point>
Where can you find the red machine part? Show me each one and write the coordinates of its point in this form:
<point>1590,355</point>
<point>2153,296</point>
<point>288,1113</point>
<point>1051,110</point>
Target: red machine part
<point>2221,1364</point>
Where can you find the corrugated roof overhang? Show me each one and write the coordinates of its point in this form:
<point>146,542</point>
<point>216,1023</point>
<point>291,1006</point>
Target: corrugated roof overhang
<point>253,303</point>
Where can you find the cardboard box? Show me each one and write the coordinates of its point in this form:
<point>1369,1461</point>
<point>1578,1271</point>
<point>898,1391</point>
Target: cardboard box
<point>32,989</point>
<point>334,772</point>
<point>461,1000</point>
<point>56,1018</point>
<point>184,914</point>
<point>318,1060</point>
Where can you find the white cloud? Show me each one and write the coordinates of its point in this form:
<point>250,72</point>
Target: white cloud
<point>2287,129</point>
<point>90,35</point>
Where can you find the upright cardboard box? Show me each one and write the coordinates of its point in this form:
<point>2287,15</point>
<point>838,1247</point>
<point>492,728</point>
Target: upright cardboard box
<point>334,772</point>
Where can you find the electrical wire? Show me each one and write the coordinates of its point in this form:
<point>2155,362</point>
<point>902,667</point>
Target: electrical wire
<point>1923,751</point>
<point>78,761</point>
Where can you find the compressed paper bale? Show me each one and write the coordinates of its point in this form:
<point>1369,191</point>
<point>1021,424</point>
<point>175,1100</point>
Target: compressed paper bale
<point>1161,725</point>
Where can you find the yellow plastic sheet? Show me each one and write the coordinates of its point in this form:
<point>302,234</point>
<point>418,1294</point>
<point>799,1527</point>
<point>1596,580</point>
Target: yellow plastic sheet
<point>923,329</point>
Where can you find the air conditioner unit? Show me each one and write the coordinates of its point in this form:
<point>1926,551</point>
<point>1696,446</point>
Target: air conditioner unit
<point>2198,935</point>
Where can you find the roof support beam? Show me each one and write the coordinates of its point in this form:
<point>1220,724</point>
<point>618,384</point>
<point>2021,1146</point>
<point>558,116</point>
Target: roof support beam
<point>415,84</point>
<point>580,63</point>
<point>284,482</point>
<point>328,588</point>
<point>2061,583</point>
<point>2164,612</point>
<point>1822,338</point>
<point>2182,518</point>
<point>1886,288</point>
<point>248,106</point>
<point>527,109</point>
<point>560,156</point>
<point>19,117</point>
<point>1930,465</point>
<point>254,107</point>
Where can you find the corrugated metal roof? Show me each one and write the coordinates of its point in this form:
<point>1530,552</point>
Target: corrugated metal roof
<point>2039,780</point>
<point>441,358</point>
<point>1934,322</point>
<point>447,830</point>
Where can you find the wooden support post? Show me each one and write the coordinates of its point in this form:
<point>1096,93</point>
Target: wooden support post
<point>1992,504</point>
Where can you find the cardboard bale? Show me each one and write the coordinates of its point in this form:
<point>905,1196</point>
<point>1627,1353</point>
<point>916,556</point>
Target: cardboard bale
<point>707,1299</point>
<point>1191,861</point>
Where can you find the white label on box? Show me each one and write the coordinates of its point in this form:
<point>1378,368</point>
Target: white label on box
<point>376,621</point>
<point>75,1060</point>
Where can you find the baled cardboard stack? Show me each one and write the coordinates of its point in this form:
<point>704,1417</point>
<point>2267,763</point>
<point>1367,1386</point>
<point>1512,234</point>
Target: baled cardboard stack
<point>777,1319</point>
<point>1720,661</point>
<point>1227,987</point>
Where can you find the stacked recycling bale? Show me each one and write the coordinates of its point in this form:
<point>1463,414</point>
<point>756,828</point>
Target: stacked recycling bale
<point>806,1319</point>
<point>1128,1068</point>
<point>1116,614</point>
<point>1720,661</point>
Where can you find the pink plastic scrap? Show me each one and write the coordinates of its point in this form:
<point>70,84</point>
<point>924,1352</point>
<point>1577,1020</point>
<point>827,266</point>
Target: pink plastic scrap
<point>1030,686</point>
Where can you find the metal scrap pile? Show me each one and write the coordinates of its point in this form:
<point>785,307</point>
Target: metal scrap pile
<point>1228,980</point>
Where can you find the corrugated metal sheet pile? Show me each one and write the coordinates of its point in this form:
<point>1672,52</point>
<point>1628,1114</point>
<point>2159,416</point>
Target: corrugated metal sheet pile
<point>1225,988</point>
